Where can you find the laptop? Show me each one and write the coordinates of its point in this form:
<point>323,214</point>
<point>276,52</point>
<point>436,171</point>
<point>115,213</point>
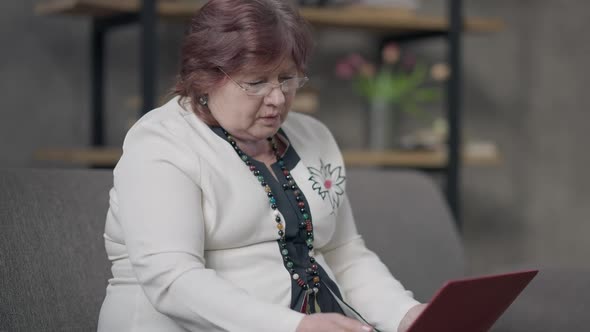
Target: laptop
<point>471,305</point>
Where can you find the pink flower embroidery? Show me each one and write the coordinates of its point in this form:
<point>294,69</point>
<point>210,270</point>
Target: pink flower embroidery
<point>328,182</point>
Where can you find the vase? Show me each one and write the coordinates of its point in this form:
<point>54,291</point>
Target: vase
<point>383,125</point>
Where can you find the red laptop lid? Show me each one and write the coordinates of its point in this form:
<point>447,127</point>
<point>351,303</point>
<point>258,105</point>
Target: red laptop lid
<point>471,305</point>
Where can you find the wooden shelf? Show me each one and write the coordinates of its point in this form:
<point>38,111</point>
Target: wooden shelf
<point>104,157</point>
<point>417,159</point>
<point>472,156</point>
<point>358,17</point>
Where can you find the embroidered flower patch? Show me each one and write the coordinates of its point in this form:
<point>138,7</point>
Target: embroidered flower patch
<point>328,182</point>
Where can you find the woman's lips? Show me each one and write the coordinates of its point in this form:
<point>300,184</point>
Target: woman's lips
<point>270,119</point>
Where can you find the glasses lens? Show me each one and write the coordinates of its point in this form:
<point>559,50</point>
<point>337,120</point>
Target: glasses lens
<point>287,86</point>
<point>291,85</point>
<point>261,89</point>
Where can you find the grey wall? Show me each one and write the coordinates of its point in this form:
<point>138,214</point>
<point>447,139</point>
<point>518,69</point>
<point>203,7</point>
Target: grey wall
<point>525,88</point>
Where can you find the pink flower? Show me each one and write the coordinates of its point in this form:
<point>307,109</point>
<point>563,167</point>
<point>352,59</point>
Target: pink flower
<point>390,53</point>
<point>356,60</point>
<point>344,70</point>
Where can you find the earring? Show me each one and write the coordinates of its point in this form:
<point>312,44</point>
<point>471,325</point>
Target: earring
<point>204,100</point>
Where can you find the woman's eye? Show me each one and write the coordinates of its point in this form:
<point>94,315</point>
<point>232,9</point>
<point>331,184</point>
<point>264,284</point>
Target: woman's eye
<point>254,83</point>
<point>282,79</point>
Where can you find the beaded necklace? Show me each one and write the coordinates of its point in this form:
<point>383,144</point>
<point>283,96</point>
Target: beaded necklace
<point>306,224</point>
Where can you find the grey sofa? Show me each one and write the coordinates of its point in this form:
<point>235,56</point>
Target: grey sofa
<point>53,268</point>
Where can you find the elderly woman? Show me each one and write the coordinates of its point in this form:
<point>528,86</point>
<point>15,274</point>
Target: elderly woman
<point>230,214</point>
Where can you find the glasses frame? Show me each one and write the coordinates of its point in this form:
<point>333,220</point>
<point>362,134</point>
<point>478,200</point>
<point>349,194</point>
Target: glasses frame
<point>301,80</point>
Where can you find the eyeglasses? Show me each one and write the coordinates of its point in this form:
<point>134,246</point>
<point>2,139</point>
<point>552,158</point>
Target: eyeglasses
<point>288,86</point>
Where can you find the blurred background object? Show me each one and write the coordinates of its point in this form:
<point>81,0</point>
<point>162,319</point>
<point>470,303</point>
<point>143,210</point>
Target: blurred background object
<point>396,88</point>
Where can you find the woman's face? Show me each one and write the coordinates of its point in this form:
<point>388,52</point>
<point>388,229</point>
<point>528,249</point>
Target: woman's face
<point>253,118</point>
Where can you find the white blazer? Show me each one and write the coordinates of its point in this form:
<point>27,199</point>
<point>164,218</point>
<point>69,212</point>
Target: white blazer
<point>192,239</point>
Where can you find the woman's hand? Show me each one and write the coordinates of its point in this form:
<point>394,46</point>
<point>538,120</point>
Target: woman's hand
<point>410,317</point>
<point>331,322</point>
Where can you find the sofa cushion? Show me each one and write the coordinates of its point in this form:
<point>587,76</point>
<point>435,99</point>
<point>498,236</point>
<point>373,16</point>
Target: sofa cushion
<point>556,300</point>
<point>405,220</point>
<point>53,267</point>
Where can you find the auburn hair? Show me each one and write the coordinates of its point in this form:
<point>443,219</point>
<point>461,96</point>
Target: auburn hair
<point>238,35</point>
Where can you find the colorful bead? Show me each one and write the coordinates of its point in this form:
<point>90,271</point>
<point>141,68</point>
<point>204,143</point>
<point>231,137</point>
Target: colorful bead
<point>316,279</point>
<point>280,226</point>
<point>289,264</point>
<point>295,276</point>
<point>285,252</point>
<point>301,204</point>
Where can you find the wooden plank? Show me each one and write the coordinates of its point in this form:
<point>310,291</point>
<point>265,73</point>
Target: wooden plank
<point>169,9</point>
<point>357,17</point>
<point>418,159</point>
<point>373,18</point>
<point>81,156</point>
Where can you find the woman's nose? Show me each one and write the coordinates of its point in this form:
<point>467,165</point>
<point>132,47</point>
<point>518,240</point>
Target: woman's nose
<point>275,97</point>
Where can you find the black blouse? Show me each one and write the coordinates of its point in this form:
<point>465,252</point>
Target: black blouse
<point>295,237</point>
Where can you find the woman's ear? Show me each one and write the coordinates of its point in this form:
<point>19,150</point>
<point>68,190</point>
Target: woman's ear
<point>204,100</point>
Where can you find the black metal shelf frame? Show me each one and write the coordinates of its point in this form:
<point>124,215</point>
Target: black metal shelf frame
<point>147,19</point>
